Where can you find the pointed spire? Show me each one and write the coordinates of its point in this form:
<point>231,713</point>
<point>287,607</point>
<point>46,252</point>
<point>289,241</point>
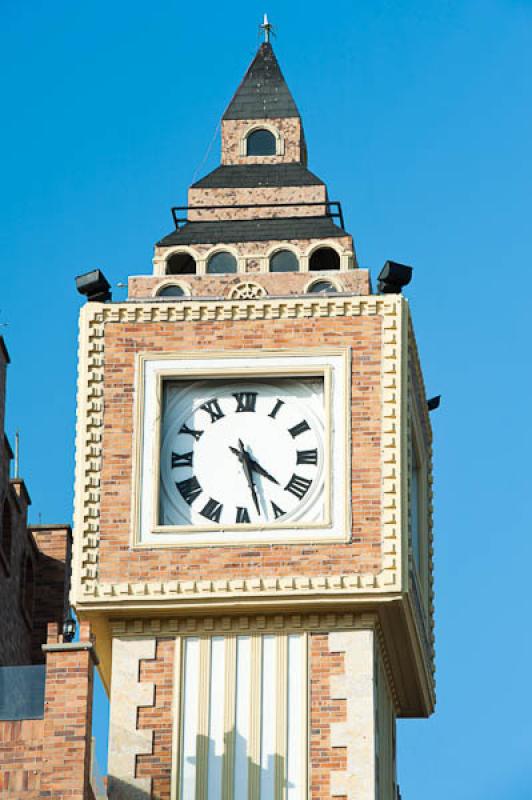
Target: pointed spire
<point>263,93</point>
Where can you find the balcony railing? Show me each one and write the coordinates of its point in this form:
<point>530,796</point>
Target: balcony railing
<point>22,692</point>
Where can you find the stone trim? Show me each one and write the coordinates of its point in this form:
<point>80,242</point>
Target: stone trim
<point>126,742</point>
<point>95,316</point>
<point>69,647</point>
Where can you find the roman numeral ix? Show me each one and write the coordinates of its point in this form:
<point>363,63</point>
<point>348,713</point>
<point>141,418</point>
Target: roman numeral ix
<point>298,486</point>
<point>212,407</point>
<point>181,460</point>
<point>245,401</point>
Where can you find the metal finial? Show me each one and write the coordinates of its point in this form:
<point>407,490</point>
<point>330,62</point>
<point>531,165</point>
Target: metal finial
<point>17,455</point>
<point>267,27</point>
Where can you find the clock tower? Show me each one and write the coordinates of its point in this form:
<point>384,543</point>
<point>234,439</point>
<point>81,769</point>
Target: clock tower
<point>253,491</point>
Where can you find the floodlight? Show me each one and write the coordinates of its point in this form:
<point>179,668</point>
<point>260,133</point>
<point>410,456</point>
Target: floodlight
<point>434,402</point>
<point>94,285</point>
<point>393,277</point>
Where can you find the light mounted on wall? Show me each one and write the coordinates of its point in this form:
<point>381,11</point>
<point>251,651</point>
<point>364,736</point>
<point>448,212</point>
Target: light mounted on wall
<point>434,402</point>
<point>69,627</point>
<point>95,286</point>
<point>393,277</point>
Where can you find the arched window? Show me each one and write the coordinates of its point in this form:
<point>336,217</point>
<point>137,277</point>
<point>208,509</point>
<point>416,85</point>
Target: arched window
<point>7,531</point>
<point>28,587</point>
<point>261,143</point>
<point>324,258</point>
<point>322,287</point>
<point>284,261</point>
<point>181,264</point>
<point>171,290</point>
<point>221,263</point>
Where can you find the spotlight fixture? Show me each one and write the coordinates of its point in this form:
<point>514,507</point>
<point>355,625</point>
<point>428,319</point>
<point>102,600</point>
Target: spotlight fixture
<point>393,277</point>
<point>434,402</point>
<point>95,286</point>
<point>69,627</point>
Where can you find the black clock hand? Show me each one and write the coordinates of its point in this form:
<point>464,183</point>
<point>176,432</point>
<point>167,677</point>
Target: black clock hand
<point>256,467</point>
<point>244,460</point>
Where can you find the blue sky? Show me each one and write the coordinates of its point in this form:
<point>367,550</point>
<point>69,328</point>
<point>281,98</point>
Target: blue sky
<point>419,117</point>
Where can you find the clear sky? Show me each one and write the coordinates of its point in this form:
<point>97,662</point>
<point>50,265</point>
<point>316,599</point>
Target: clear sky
<point>418,114</point>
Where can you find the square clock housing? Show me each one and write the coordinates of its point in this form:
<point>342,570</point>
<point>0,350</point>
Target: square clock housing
<point>251,448</point>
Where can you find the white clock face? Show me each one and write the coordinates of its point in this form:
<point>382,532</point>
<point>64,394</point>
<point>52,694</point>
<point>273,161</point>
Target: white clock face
<point>242,453</point>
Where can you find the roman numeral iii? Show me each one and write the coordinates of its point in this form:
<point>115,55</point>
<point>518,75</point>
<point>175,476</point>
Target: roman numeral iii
<point>298,486</point>
<point>189,489</point>
<point>298,429</point>
<point>245,401</point>
<point>212,510</point>
<point>307,456</point>
<point>212,407</point>
<point>181,460</point>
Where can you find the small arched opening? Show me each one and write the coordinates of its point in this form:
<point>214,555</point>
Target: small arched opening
<point>324,258</point>
<point>221,263</point>
<point>261,143</point>
<point>284,261</point>
<point>181,264</point>
<point>171,290</point>
<point>322,287</point>
<point>7,531</point>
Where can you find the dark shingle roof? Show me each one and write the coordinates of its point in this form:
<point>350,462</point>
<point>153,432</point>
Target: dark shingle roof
<point>253,230</point>
<point>263,93</point>
<point>247,176</point>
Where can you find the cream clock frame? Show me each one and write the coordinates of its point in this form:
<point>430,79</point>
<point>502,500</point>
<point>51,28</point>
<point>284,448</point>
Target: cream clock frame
<point>332,366</point>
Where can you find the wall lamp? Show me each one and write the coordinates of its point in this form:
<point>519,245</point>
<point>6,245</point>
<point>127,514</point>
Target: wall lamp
<point>95,286</point>
<point>69,627</point>
<point>393,277</point>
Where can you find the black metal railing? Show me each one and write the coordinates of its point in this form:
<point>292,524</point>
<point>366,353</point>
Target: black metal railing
<point>22,692</point>
<point>333,210</point>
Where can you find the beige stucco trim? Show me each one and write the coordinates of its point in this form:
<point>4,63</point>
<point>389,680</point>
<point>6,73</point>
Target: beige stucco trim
<point>171,281</point>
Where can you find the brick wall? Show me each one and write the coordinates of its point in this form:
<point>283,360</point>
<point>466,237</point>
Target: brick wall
<point>54,544</point>
<point>50,757</point>
<point>119,563</point>
<point>277,284</point>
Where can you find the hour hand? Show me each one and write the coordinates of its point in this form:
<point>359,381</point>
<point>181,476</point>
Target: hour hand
<point>244,460</point>
<point>256,467</point>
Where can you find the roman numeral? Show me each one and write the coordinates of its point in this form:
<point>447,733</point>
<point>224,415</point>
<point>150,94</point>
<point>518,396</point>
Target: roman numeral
<point>307,456</point>
<point>278,512</point>
<point>196,434</point>
<point>212,510</point>
<point>298,486</point>
<point>245,401</point>
<point>181,460</point>
<point>242,515</point>
<point>301,427</point>
<point>212,407</point>
<point>190,489</point>
<point>275,410</point>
